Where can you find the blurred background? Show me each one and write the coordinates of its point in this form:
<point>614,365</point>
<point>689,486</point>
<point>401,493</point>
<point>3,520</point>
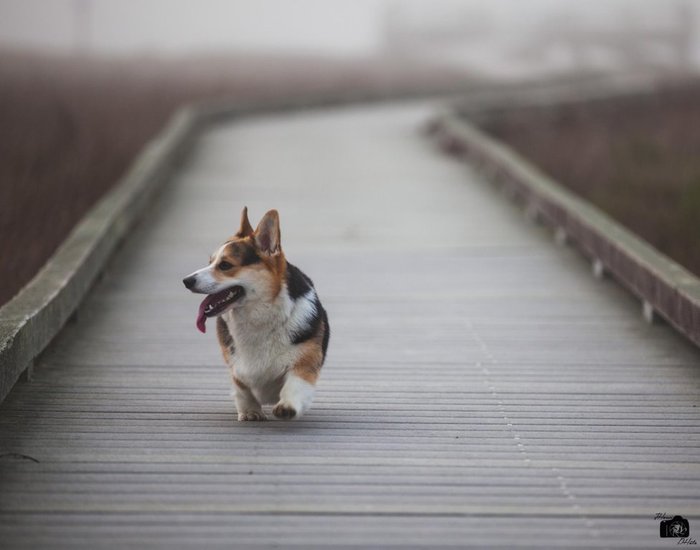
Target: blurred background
<point>503,38</point>
<point>85,83</point>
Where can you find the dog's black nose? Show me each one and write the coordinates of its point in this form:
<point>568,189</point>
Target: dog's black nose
<point>189,281</point>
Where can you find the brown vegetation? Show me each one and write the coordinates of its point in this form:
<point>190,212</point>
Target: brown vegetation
<point>70,127</point>
<point>635,158</point>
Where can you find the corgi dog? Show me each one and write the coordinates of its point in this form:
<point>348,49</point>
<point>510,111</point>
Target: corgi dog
<point>271,326</point>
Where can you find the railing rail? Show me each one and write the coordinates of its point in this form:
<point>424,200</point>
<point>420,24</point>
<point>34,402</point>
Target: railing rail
<point>663,286</point>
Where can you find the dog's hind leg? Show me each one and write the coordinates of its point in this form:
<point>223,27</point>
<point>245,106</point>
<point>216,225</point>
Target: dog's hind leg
<point>247,405</point>
<point>299,384</point>
<point>295,397</point>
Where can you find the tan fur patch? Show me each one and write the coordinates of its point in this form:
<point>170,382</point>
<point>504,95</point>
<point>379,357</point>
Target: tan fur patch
<point>308,366</point>
<point>225,339</point>
<point>277,266</point>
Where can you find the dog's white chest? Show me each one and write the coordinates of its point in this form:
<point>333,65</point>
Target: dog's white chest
<point>263,350</point>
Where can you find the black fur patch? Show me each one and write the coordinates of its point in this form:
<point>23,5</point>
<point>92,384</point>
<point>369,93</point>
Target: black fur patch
<point>249,256</point>
<point>326,330</point>
<point>298,283</point>
<point>244,252</point>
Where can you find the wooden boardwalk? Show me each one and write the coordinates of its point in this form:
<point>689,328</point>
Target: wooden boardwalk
<point>482,389</point>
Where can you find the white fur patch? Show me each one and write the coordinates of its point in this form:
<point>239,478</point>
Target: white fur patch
<point>302,311</point>
<point>205,283</point>
<point>297,393</point>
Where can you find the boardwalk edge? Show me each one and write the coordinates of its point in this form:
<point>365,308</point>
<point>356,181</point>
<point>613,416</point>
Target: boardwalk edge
<point>39,311</point>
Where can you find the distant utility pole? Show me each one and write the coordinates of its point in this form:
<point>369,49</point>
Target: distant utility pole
<point>82,20</point>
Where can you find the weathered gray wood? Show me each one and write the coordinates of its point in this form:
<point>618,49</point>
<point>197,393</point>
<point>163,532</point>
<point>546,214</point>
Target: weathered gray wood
<point>481,389</point>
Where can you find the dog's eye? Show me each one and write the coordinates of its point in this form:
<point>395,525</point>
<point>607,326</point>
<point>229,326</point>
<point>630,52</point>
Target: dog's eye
<point>224,266</point>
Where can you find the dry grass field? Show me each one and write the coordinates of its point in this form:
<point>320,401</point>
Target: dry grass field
<point>637,159</point>
<point>70,127</point>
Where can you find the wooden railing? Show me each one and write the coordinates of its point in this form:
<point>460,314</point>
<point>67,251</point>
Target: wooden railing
<point>664,287</point>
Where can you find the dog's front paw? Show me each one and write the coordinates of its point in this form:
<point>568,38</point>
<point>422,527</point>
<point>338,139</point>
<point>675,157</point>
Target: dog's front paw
<point>284,411</point>
<point>253,416</point>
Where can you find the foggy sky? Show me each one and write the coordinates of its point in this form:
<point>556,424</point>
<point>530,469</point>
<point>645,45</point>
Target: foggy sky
<point>319,26</point>
<point>495,33</point>
<point>130,26</point>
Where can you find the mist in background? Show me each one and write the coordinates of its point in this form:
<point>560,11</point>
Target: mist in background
<point>503,38</point>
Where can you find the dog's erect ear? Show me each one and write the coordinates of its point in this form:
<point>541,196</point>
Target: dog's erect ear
<point>246,229</point>
<point>267,234</point>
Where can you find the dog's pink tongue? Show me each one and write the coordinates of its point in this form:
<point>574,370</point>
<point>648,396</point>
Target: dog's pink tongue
<point>201,318</point>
